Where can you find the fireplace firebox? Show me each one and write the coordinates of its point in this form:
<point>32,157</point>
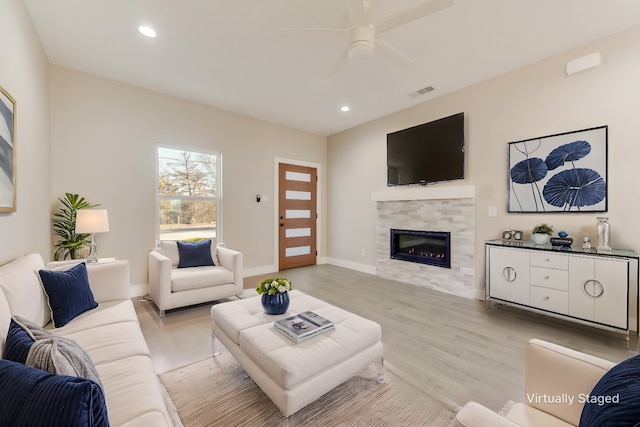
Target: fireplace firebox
<point>424,247</point>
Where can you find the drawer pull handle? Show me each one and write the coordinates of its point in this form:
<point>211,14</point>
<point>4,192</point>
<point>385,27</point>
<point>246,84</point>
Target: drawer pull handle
<point>591,290</point>
<point>546,298</point>
<point>546,277</point>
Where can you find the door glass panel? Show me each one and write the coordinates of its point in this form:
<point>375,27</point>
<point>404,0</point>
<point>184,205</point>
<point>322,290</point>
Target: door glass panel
<point>298,195</point>
<point>299,250</point>
<point>298,213</point>
<point>297,232</point>
<point>297,176</point>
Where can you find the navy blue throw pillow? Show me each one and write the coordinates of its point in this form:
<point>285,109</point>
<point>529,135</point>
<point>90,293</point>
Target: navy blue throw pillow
<point>17,344</point>
<point>615,399</point>
<point>69,293</point>
<point>195,254</point>
<point>33,397</point>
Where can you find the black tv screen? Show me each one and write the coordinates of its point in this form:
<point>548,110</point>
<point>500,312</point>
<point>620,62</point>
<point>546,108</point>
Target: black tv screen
<point>427,153</point>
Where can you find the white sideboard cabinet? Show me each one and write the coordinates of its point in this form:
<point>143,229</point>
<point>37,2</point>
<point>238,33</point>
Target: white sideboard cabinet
<point>599,289</point>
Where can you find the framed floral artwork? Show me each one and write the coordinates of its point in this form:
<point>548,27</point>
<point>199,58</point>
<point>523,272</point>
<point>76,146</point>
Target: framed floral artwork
<point>566,172</point>
<point>7,152</point>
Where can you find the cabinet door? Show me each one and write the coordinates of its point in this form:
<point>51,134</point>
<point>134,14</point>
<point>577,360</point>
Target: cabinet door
<point>581,287</point>
<point>598,290</point>
<point>612,301</point>
<point>509,275</point>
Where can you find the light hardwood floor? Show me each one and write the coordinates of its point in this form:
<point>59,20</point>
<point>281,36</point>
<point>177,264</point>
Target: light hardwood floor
<point>440,343</point>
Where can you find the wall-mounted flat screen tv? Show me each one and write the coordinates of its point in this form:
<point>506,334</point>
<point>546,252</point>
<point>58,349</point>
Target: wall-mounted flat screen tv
<point>427,153</point>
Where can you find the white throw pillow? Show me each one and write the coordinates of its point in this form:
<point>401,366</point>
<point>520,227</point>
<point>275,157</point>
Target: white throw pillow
<point>21,285</point>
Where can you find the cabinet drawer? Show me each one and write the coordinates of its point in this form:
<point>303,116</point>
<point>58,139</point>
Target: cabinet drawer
<point>549,299</point>
<point>550,278</point>
<point>549,260</point>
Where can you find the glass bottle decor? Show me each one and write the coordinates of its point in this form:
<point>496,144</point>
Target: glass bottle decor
<point>603,234</point>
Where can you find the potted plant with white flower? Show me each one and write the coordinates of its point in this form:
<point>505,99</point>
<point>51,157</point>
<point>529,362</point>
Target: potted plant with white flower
<point>275,295</point>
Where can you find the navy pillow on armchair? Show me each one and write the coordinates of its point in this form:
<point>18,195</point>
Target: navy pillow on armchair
<point>68,292</point>
<point>195,254</point>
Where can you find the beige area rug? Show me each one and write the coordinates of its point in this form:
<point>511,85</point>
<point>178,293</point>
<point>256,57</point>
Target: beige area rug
<point>218,392</point>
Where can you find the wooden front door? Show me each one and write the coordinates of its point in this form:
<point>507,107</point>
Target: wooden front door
<point>297,216</point>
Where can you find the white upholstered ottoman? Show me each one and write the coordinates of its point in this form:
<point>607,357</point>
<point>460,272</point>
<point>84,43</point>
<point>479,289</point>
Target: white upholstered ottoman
<point>294,375</point>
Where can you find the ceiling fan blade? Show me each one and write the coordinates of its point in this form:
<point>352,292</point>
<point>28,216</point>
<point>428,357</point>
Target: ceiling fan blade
<point>411,14</point>
<point>316,31</point>
<point>393,54</point>
<point>340,64</point>
<point>357,12</point>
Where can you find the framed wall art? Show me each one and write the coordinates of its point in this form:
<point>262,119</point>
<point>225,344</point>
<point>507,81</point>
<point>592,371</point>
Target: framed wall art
<point>7,152</point>
<point>566,172</point>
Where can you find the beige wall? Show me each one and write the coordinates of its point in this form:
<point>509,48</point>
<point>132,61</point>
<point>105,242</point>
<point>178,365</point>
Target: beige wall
<point>534,101</point>
<point>104,136</point>
<point>24,74</point>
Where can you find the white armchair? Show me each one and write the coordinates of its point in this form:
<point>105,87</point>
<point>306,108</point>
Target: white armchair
<point>172,287</point>
<point>552,370</point>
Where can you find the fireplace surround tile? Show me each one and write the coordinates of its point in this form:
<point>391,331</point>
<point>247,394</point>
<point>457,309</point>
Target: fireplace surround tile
<point>453,215</point>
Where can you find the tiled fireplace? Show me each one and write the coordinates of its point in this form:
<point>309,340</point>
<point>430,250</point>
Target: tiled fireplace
<point>439,215</point>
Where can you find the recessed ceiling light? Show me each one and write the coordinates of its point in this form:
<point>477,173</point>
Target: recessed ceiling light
<point>146,31</point>
<point>345,108</point>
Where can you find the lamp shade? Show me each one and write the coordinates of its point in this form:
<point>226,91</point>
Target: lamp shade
<point>92,221</point>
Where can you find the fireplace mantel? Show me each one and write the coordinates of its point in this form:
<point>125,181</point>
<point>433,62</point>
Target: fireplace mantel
<point>425,193</point>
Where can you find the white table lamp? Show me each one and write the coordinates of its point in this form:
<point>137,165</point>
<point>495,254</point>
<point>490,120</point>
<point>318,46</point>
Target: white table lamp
<point>91,221</point>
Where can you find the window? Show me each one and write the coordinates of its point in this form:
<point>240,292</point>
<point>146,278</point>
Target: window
<point>188,194</point>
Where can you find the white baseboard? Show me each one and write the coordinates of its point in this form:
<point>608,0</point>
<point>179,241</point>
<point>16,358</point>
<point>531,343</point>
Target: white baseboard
<point>257,271</point>
<point>363,268</point>
<point>480,294</point>
<point>138,290</point>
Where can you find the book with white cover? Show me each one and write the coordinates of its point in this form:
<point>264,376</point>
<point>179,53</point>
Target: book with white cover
<point>303,326</point>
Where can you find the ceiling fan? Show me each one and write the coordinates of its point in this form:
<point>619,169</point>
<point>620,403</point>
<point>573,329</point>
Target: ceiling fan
<point>362,37</point>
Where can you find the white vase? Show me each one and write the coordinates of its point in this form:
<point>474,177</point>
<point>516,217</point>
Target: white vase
<point>540,238</point>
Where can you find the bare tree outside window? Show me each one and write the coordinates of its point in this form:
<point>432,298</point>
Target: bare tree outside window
<point>187,193</point>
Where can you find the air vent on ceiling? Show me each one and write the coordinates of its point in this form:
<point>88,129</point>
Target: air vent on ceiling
<point>421,91</point>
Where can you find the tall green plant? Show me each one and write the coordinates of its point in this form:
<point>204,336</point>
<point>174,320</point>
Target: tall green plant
<point>64,226</point>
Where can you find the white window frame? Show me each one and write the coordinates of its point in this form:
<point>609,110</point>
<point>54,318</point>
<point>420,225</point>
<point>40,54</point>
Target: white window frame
<point>217,197</point>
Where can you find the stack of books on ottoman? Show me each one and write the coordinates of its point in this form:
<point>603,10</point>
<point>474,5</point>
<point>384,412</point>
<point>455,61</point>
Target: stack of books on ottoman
<point>303,326</point>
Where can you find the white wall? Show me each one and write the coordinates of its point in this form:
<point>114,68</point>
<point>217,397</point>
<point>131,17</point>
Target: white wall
<point>24,74</point>
<point>104,137</point>
<point>537,100</point>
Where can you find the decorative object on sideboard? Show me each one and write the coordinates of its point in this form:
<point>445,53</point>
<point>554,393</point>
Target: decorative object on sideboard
<point>69,244</point>
<point>540,234</point>
<point>512,237</point>
<point>586,243</point>
<point>559,173</point>
<point>275,295</point>
<point>604,234</point>
<point>8,162</point>
<point>92,221</point>
<point>562,241</point>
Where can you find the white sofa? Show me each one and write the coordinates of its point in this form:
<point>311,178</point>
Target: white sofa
<point>172,287</point>
<point>552,370</point>
<point>109,333</point>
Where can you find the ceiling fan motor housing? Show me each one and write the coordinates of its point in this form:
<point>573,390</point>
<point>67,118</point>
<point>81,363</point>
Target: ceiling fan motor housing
<point>361,42</point>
